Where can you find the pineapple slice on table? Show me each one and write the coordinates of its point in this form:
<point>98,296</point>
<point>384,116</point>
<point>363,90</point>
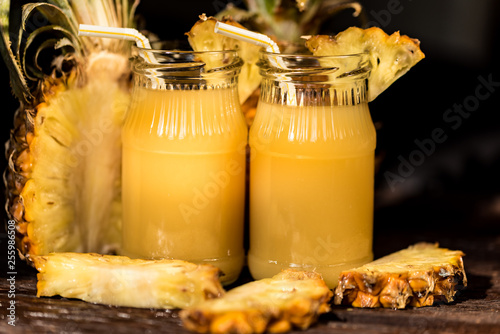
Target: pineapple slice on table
<point>121,281</point>
<point>289,299</point>
<point>64,153</point>
<point>391,55</point>
<point>417,276</point>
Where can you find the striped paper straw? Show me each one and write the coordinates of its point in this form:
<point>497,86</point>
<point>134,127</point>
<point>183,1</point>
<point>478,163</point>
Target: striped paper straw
<point>263,41</point>
<point>127,34</point>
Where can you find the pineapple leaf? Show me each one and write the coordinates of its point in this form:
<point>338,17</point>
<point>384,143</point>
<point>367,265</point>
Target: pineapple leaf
<point>321,11</point>
<point>270,5</point>
<point>59,37</point>
<point>131,14</point>
<point>238,14</point>
<point>288,20</point>
<point>50,15</point>
<point>35,68</point>
<point>63,42</point>
<point>65,7</point>
<point>108,13</point>
<point>265,9</point>
<point>82,11</point>
<point>17,80</point>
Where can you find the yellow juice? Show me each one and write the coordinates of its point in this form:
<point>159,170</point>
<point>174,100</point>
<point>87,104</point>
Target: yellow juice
<point>311,189</point>
<point>184,177</point>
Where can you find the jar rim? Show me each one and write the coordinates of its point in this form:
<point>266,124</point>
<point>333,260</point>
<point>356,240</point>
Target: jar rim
<point>308,68</point>
<point>311,56</point>
<point>185,66</point>
<point>181,51</point>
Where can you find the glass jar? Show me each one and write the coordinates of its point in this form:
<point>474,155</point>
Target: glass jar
<point>312,166</point>
<point>184,160</point>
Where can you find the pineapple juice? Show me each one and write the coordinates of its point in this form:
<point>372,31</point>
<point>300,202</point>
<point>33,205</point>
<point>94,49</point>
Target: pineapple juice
<point>184,177</point>
<point>311,189</point>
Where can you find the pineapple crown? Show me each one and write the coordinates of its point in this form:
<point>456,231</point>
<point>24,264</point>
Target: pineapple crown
<point>288,20</point>
<point>43,41</point>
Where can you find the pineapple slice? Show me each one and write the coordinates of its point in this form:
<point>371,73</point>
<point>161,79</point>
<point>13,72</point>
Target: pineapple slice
<point>417,276</point>
<point>64,154</point>
<point>202,37</point>
<point>289,299</point>
<point>121,281</point>
<point>391,56</point>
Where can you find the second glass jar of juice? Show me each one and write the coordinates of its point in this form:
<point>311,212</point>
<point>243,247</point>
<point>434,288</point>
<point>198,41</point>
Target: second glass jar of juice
<point>312,166</point>
<point>184,160</point>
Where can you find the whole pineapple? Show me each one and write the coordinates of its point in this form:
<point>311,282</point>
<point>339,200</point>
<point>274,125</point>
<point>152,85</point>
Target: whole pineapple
<point>64,156</point>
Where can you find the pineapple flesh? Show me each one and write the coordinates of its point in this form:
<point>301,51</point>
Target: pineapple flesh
<point>291,299</point>
<point>64,153</point>
<point>121,281</point>
<point>417,276</point>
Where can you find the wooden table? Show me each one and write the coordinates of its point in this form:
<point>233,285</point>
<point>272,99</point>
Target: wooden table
<point>476,310</point>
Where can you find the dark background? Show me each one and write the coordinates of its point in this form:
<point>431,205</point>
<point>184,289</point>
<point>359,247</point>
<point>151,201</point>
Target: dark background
<point>456,187</point>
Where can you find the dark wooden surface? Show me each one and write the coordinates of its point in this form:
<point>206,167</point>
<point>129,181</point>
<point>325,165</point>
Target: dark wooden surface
<point>476,309</point>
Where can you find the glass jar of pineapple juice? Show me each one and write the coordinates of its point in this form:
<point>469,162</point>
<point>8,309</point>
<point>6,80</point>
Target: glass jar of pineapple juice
<point>184,160</point>
<point>312,166</point>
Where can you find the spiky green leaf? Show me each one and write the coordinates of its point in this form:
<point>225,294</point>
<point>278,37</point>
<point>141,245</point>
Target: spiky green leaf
<point>17,80</point>
<point>65,7</point>
<point>38,41</point>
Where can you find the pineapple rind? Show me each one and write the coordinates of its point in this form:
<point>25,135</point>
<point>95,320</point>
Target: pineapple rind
<point>121,281</point>
<point>289,299</point>
<point>417,276</point>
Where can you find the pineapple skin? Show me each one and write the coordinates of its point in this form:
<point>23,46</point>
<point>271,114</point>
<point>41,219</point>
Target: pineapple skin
<point>417,276</point>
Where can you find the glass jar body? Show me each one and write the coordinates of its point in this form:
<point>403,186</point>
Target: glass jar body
<point>311,175</point>
<point>184,170</point>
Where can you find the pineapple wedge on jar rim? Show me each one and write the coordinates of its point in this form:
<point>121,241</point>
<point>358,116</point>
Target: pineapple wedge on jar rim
<point>391,56</point>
